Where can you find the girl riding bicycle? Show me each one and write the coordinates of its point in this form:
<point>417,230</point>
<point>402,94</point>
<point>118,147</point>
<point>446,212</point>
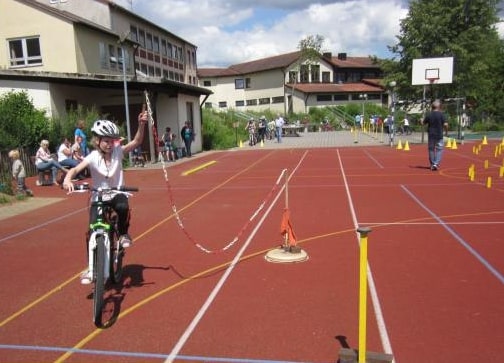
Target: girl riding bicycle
<point>105,165</point>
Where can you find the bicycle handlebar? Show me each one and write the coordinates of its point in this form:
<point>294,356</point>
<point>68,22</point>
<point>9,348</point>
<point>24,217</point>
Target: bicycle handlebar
<point>122,188</point>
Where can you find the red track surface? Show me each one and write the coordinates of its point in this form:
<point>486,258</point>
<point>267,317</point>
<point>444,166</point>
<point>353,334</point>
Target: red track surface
<point>435,256</point>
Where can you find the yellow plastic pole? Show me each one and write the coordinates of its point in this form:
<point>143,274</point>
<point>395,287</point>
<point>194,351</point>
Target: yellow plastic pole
<point>363,231</point>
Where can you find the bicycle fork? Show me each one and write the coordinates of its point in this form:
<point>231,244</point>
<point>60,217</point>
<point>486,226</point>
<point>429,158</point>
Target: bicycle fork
<point>92,249</point>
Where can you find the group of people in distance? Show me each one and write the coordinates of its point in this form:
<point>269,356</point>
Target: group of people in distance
<point>168,149</point>
<point>68,156</point>
<point>264,129</point>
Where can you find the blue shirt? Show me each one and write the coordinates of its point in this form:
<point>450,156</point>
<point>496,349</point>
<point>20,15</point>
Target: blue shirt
<point>83,144</point>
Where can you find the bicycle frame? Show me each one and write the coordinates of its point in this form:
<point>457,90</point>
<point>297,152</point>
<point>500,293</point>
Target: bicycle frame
<point>101,227</point>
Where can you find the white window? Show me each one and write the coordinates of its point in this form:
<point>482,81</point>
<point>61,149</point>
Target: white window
<point>25,52</point>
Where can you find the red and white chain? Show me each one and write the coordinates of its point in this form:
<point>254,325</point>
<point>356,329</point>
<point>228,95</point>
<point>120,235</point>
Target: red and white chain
<point>174,207</point>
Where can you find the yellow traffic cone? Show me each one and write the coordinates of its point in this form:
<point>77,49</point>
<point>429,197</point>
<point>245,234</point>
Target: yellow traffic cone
<point>449,144</point>
<point>241,143</point>
<point>489,182</point>
<point>406,146</point>
<point>485,141</point>
<point>262,143</point>
<point>454,145</point>
<point>399,145</point>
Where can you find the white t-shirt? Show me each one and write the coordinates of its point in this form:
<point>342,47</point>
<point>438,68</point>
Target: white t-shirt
<point>102,174</point>
<point>61,154</point>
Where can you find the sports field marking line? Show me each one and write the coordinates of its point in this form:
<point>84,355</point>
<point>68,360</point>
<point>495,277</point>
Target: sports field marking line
<point>198,168</point>
<point>429,223</point>
<point>115,353</point>
<point>37,301</point>
<point>455,235</point>
<point>41,225</point>
<point>369,155</point>
<point>380,320</point>
<point>187,333</point>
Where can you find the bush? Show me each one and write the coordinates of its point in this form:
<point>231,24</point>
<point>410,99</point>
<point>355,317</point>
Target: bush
<point>486,126</point>
<point>21,124</point>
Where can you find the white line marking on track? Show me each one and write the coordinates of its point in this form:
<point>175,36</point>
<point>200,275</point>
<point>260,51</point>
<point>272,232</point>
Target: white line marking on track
<point>459,239</point>
<point>380,321</point>
<point>199,315</point>
<point>6,238</point>
<point>369,155</point>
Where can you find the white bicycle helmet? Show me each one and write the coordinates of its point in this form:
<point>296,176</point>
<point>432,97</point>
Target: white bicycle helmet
<point>106,128</point>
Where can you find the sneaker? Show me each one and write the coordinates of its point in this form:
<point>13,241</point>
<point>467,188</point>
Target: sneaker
<point>434,167</point>
<point>125,241</point>
<point>86,278</point>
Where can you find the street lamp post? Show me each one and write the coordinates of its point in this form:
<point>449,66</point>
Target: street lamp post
<point>392,85</point>
<point>363,97</point>
<point>125,86</point>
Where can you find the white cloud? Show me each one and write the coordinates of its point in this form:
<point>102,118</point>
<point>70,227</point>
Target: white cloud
<point>230,31</point>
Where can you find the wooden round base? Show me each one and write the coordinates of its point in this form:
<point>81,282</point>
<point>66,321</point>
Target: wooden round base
<point>280,255</point>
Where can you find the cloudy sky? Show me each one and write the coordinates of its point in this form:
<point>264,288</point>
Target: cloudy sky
<point>233,31</point>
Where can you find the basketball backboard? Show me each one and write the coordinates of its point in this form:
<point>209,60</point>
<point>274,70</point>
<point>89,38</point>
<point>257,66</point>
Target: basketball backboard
<point>432,71</point>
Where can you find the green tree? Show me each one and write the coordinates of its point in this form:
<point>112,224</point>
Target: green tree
<point>21,124</point>
<point>462,29</point>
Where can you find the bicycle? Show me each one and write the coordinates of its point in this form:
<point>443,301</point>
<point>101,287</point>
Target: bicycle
<point>105,253</point>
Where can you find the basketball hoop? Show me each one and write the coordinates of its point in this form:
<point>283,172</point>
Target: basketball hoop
<point>433,80</point>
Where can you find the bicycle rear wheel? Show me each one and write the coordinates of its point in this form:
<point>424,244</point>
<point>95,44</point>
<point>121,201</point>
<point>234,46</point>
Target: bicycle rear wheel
<point>99,280</point>
<point>116,257</point>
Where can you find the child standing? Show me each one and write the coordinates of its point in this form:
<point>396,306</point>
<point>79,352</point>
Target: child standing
<point>19,174</point>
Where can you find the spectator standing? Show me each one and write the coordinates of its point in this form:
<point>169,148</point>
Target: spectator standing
<point>406,126</point>
<point>76,149</point>
<point>19,174</point>
<point>79,132</point>
<point>262,128</point>
<point>357,122</point>
<point>436,123</point>
<point>169,147</point>
<point>271,129</point>
<point>169,143</point>
<point>187,134</point>
<point>279,122</point>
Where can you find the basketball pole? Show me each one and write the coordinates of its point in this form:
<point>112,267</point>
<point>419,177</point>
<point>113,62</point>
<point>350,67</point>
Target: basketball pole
<point>423,111</point>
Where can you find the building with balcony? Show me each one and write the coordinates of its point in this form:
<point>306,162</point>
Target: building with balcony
<point>285,84</point>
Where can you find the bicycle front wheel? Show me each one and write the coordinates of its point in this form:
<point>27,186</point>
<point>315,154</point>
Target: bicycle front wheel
<point>99,280</point>
<point>116,257</point>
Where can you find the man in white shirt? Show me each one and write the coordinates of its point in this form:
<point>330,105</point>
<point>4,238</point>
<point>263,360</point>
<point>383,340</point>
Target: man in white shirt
<point>279,122</point>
